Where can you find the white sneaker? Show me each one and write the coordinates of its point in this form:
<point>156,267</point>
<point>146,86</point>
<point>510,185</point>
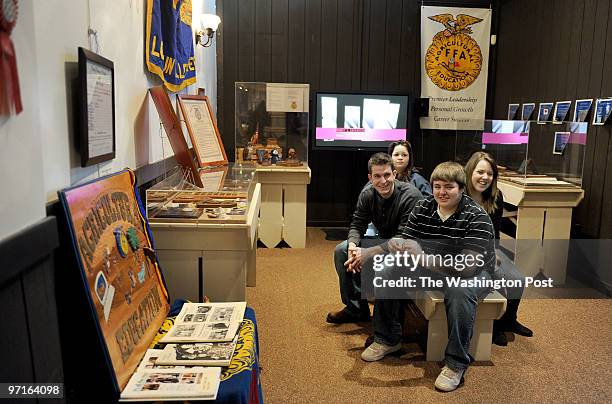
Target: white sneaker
<point>449,379</point>
<point>376,351</point>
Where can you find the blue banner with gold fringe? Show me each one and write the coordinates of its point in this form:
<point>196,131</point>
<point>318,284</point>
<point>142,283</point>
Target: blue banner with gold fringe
<point>169,45</point>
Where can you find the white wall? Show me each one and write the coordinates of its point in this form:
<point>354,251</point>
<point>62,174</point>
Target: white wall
<point>22,200</point>
<point>37,147</point>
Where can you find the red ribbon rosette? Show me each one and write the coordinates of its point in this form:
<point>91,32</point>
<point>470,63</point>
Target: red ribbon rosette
<point>10,96</point>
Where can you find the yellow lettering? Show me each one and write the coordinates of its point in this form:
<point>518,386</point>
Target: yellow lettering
<point>169,65</point>
<point>153,47</point>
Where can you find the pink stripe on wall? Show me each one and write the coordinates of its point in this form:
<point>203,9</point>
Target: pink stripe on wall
<point>360,134</point>
<point>577,138</point>
<point>505,138</point>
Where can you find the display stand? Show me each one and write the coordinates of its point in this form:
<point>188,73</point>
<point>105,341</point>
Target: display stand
<point>283,205</point>
<point>543,226</point>
<point>224,253</point>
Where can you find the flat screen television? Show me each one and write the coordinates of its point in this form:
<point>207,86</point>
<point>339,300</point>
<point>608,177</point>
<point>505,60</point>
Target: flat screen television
<point>359,120</point>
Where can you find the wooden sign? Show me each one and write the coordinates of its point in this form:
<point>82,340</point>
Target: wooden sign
<point>119,270</point>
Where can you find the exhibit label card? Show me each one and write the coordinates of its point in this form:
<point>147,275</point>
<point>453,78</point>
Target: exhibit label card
<point>287,97</point>
<point>582,110</point>
<point>455,60</point>
<point>561,110</point>
<point>527,111</point>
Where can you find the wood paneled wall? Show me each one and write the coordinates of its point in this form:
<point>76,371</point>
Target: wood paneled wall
<point>555,51</point>
<point>334,45</point>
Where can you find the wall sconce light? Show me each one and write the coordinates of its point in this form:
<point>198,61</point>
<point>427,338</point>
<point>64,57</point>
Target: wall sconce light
<point>209,24</point>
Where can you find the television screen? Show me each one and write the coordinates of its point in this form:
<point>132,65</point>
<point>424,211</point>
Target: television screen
<point>359,121</point>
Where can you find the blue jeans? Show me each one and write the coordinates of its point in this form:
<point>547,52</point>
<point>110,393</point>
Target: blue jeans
<point>350,283</point>
<point>460,306</point>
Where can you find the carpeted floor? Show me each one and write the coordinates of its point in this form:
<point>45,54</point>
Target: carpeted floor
<point>305,359</point>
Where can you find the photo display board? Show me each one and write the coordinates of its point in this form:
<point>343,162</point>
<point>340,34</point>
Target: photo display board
<point>118,267</point>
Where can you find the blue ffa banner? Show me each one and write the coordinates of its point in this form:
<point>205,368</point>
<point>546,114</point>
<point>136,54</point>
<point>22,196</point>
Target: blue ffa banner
<point>169,51</point>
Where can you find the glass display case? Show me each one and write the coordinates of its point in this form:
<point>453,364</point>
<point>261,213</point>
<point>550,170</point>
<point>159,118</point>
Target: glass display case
<point>530,154</point>
<point>224,198</point>
<point>271,125</point>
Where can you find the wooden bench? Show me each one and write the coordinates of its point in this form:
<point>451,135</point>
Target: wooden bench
<point>431,305</point>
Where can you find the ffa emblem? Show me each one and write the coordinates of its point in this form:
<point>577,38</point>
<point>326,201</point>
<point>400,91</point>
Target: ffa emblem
<point>453,60</point>
<point>122,242</point>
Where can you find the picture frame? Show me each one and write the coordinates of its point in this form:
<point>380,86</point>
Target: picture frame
<point>527,111</point>
<point>512,110</point>
<point>544,111</point>
<point>561,110</point>
<point>560,142</point>
<point>603,108</point>
<point>582,109</point>
<point>96,108</point>
<point>202,128</point>
<point>173,129</point>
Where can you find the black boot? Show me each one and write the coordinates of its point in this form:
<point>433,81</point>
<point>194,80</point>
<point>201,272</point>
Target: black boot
<point>499,337</point>
<point>509,321</point>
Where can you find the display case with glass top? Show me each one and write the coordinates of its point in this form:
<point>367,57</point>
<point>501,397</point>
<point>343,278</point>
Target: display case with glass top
<point>271,125</point>
<point>529,154</point>
<point>224,198</point>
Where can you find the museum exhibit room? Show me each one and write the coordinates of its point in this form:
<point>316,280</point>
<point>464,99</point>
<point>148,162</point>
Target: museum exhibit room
<point>306,201</point>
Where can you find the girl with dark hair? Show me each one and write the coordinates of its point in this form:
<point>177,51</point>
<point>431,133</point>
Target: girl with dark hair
<point>403,163</point>
<point>481,173</point>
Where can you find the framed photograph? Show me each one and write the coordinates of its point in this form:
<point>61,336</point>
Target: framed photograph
<point>202,129</point>
<point>527,111</point>
<point>561,110</point>
<point>603,107</point>
<point>512,110</point>
<point>96,108</point>
<point>173,129</point>
<point>582,110</point>
<point>561,140</point>
<point>544,112</point>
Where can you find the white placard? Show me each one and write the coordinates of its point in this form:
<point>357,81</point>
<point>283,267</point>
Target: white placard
<point>99,109</point>
<point>286,97</point>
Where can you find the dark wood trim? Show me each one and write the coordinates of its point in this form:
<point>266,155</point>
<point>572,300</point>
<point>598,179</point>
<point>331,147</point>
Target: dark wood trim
<point>27,247</point>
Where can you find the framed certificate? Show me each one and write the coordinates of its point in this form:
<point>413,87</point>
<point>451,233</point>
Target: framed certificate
<point>202,129</point>
<point>96,108</point>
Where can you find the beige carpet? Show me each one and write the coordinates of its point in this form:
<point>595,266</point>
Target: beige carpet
<point>305,359</point>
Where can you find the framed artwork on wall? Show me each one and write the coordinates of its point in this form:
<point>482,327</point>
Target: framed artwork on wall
<point>96,108</point>
<point>202,128</point>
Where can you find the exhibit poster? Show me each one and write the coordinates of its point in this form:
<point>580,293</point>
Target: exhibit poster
<point>512,110</point>
<point>603,107</point>
<point>561,110</point>
<point>560,142</point>
<point>527,111</point>
<point>118,267</point>
<point>582,110</point>
<point>455,60</point>
<point>544,112</point>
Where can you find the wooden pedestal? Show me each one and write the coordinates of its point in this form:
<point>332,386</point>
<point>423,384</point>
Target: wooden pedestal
<point>283,205</point>
<point>543,227</point>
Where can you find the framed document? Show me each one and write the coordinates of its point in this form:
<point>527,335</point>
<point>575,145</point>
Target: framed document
<point>582,110</point>
<point>603,108</point>
<point>202,129</point>
<point>544,110</point>
<point>96,108</point>
<point>561,110</point>
<point>561,141</point>
<point>512,109</point>
<point>177,140</point>
<point>527,111</point>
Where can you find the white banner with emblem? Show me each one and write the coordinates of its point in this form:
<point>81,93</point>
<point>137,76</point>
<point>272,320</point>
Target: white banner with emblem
<point>455,62</point>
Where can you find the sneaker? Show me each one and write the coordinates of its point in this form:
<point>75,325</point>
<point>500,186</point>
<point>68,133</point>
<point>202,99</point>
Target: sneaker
<point>377,351</point>
<point>449,379</point>
<point>520,329</point>
<point>344,316</point>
